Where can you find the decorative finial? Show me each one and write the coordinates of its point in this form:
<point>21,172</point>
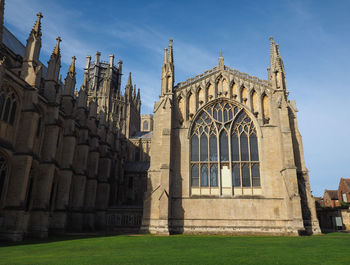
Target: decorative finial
<point>170,42</point>
<point>220,53</point>
<point>37,26</point>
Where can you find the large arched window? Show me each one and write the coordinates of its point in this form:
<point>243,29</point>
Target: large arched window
<point>224,148</point>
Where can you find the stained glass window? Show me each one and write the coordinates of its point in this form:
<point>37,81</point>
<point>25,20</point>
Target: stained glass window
<point>224,130</point>
<point>204,176</point>
<point>204,147</point>
<point>214,176</point>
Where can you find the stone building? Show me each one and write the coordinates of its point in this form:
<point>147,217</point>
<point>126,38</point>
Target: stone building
<point>65,154</point>
<point>227,155</point>
<point>221,154</point>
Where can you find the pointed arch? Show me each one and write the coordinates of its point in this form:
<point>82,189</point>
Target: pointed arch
<point>181,107</point>
<point>201,96</point>
<point>211,91</point>
<point>191,104</point>
<point>255,101</point>
<point>224,141</point>
<point>266,108</point>
<point>244,95</point>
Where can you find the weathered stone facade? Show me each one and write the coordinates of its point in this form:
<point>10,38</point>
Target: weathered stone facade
<point>227,156</point>
<point>221,154</point>
<point>64,154</point>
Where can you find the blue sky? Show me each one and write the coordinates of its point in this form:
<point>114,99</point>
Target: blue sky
<point>313,36</point>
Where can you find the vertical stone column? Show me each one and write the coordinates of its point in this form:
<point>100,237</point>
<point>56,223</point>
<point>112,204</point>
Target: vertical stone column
<point>59,217</point>
<point>156,212</point>
<point>91,184</point>
<point>104,172</point>
<point>77,191</point>
<point>42,186</point>
<point>289,170</point>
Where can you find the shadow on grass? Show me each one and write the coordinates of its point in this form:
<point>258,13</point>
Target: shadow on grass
<point>51,239</point>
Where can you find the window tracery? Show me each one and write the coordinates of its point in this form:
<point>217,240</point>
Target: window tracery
<point>223,135</point>
<point>8,107</point>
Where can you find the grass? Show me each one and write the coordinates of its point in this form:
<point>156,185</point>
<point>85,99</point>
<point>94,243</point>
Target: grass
<point>326,249</point>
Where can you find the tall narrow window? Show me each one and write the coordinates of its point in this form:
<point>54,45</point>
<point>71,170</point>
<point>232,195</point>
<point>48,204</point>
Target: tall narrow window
<point>5,114</point>
<point>223,146</point>
<point>13,113</point>
<point>204,176</point>
<point>254,154</point>
<point>244,147</point>
<point>3,170</point>
<point>195,148</point>
<point>214,176</point>
<point>195,176</point>
<point>224,130</point>
<point>8,107</point>
<point>236,175</point>
<point>213,148</point>
<point>204,147</point>
<point>234,147</point>
<point>245,175</point>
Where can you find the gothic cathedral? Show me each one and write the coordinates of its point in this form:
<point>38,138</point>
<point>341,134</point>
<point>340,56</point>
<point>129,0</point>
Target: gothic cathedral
<point>221,153</point>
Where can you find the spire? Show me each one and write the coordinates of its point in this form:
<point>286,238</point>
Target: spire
<point>221,61</point>
<point>37,26</point>
<point>138,94</point>
<point>129,80</point>
<point>167,76</point>
<point>165,56</point>
<point>134,92</point>
<point>53,69</point>
<point>170,55</point>
<point>128,88</point>
<point>72,66</point>
<point>276,71</point>
<point>69,82</point>
<point>272,54</point>
<point>56,50</point>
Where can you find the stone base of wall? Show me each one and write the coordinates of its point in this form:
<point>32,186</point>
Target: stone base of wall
<point>224,227</point>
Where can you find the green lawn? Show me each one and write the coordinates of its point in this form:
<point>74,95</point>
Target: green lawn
<point>326,249</point>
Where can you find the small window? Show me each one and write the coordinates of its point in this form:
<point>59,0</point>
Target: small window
<point>345,199</point>
<point>145,125</point>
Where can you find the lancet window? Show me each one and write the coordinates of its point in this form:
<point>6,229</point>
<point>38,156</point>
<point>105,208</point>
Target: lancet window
<point>8,106</point>
<point>224,148</point>
<point>3,171</point>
